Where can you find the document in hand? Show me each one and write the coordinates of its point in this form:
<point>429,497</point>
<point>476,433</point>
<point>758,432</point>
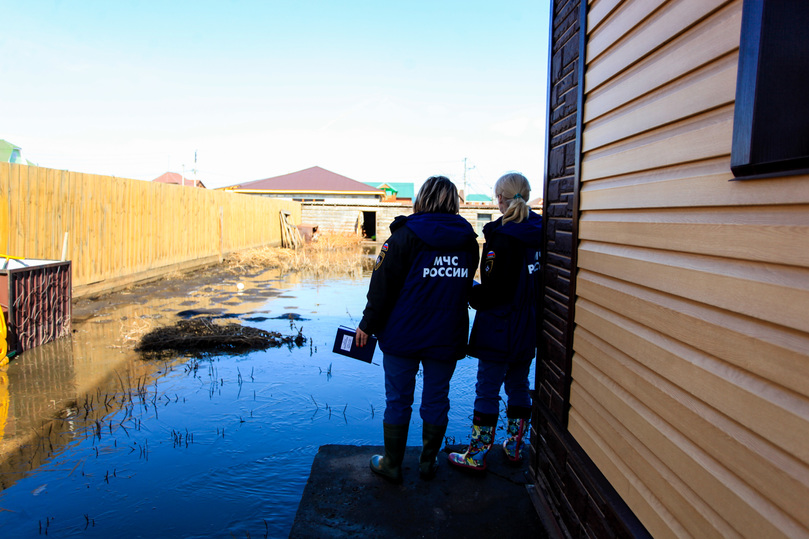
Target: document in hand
<point>345,344</point>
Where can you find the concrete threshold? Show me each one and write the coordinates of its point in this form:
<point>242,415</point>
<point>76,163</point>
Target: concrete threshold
<point>343,498</point>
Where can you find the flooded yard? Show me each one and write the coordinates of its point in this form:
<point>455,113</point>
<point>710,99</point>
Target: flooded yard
<point>186,446</point>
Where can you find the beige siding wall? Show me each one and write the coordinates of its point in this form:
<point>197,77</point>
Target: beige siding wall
<point>474,214</point>
<point>342,218</point>
<point>121,231</point>
<point>691,367</point>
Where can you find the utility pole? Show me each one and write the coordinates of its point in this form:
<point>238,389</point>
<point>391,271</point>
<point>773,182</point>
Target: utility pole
<point>464,177</point>
<point>464,180</point>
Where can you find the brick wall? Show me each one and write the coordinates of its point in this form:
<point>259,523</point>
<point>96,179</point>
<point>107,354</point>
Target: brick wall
<point>560,212</point>
<point>573,497</point>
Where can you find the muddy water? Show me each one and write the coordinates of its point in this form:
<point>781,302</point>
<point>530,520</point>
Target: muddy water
<point>97,442</point>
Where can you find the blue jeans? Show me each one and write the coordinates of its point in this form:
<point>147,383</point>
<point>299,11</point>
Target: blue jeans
<point>494,374</point>
<point>400,385</point>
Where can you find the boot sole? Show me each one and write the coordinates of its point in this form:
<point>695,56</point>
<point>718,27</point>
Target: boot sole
<point>395,479</point>
<point>429,474</point>
<point>516,460</point>
<point>389,479</point>
<point>477,469</point>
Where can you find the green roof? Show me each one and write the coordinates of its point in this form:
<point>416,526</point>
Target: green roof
<point>478,198</point>
<point>403,189</point>
<point>10,153</point>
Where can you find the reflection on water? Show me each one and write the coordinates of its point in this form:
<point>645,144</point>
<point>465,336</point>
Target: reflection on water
<point>50,391</point>
<point>97,442</point>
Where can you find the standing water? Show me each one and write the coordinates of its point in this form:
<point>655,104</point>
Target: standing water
<point>184,446</point>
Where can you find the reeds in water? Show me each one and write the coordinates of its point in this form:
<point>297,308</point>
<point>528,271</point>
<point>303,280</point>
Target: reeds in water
<point>331,253</point>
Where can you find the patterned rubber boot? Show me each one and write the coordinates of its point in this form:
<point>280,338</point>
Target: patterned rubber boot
<point>475,456</point>
<point>515,431</point>
<point>389,465</point>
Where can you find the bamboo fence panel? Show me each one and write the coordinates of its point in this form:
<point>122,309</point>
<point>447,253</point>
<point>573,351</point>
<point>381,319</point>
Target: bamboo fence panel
<point>120,231</point>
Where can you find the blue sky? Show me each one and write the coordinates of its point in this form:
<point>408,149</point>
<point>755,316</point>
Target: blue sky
<point>376,90</point>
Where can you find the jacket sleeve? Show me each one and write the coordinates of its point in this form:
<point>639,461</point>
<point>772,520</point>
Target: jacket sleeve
<point>499,285</point>
<point>474,259</point>
<point>386,282</point>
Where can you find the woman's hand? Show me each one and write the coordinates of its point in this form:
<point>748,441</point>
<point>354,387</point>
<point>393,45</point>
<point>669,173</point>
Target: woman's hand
<point>361,337</point>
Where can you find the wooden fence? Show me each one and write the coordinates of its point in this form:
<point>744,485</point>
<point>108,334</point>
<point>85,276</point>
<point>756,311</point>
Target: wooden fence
<point>118,231</point>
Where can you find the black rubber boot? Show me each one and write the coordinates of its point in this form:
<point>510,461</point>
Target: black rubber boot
<point>432,437</point>
<point>389,465</point>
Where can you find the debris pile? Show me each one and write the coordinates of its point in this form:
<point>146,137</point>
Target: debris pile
<point>204,335</point>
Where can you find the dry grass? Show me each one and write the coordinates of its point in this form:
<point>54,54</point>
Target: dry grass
<point>329,254</point>
<point>174,275</point>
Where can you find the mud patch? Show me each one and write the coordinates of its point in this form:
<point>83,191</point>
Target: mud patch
<point>202,336</point>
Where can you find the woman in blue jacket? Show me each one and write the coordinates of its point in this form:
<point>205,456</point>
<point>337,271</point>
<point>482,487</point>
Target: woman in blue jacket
<point>417,307</point>
<point>503,334</point>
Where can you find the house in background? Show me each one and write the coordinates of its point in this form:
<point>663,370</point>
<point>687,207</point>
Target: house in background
<point>672,377</point>
<point>402,192</point>
<point>478,200</point>
<point>479,210</point>
<point>313,184</point>
<point>334,203</point>
<point>178,179</point>
<point>330,201</point>
<point>11,153</point>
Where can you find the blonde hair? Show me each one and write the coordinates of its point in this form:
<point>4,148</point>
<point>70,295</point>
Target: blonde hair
<point>437,195</point>
<point>515,189</point>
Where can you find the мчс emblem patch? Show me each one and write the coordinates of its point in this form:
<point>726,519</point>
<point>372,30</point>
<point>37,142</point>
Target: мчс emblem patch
<point>381,256</point>
<point>488,265</point>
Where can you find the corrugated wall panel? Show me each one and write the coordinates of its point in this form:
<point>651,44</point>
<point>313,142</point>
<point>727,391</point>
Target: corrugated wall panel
<point>763,234</point>
<point>691,369</point>
<point>762,466</point>
<point>692,139</point>
<point>700,183</point>
<point>654,515</point>
<point>762,407</point>
<point>707,42</point>
<point>714,83</point>
<point>636,30</point>
<point>674,468</point>
<point>732,338</point>
<point>781,292</point>
<point>666,490</point>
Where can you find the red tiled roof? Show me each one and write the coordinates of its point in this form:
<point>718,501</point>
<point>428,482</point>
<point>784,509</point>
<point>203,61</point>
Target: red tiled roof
<point>310,179</point>
<point>177,179</point>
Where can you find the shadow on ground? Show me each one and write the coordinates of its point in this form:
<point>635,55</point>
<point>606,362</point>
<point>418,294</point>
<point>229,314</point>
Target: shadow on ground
<point>343,498</point>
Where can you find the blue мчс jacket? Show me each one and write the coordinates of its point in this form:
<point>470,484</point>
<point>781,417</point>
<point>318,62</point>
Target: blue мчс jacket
<point>505,325</point>
<point>419,291</point>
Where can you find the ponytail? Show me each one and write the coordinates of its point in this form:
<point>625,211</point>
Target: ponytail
<point>515,190</point>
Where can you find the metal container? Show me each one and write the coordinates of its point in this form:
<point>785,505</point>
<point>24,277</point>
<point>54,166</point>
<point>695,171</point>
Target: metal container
<point>36,297</point>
